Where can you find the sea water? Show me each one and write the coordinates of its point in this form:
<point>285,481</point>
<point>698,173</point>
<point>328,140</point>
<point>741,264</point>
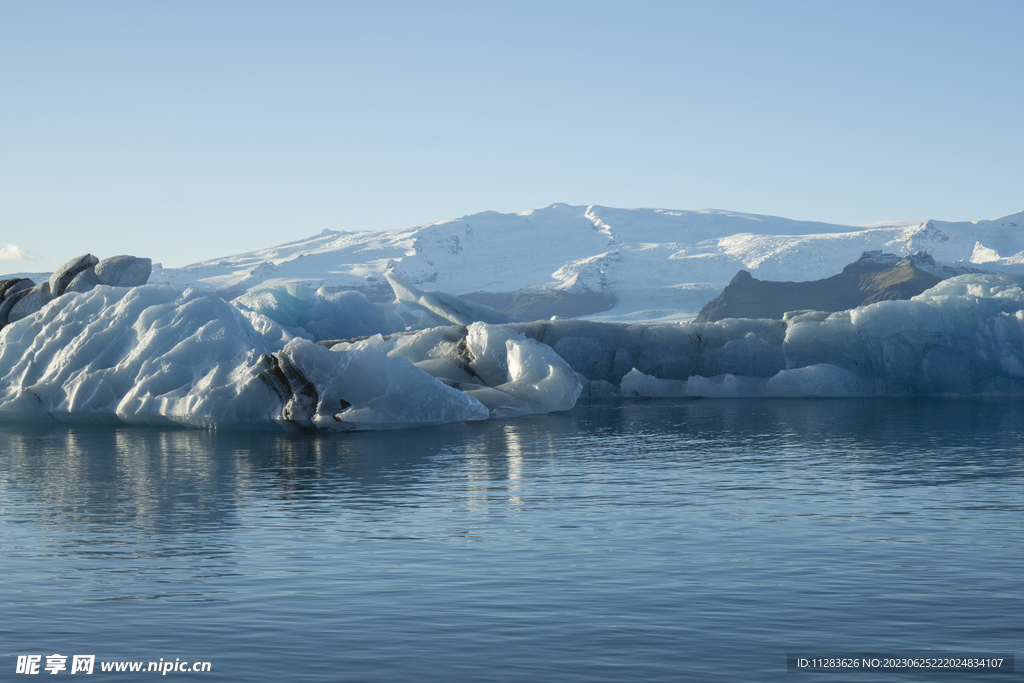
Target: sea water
<point>659,540</point>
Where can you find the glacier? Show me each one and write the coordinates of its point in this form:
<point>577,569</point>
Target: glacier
<point>625,264</point>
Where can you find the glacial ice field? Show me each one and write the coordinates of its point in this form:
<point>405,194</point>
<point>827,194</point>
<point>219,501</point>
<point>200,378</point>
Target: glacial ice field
<point>647,264</point>
<point>288,356</point>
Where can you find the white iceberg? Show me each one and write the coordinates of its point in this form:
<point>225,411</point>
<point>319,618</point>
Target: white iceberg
<point>154,355</point>
<point>501,368</point>
<point>965,336</point>
<point>320,314</point>
<point>440,308</point>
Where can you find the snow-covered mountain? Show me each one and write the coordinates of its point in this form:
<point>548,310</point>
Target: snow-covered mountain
<point>94,343</point>
<point>656,264</point>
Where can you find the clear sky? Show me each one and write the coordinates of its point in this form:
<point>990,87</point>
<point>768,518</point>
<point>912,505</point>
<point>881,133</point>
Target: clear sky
<point>185,130</point>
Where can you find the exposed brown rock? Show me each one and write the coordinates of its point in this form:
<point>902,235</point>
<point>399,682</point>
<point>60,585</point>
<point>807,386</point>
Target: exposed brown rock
<point>873,277</point>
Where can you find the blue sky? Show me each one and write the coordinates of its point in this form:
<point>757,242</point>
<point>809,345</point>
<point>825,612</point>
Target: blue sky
<point>188,130</point>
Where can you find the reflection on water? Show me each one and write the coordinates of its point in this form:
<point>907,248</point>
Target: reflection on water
<point>625,540</point>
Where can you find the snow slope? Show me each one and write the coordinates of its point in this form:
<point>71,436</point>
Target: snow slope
<point>659,264</point>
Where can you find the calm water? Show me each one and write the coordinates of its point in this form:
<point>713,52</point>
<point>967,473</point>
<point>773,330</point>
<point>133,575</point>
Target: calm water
<point>623,541</point>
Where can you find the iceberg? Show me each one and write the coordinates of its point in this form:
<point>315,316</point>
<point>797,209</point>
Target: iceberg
<point>965,336</point>
<point>154,355</point>
<point>321,314</point>
<point>151,354</point>
<point>364,388</point>
<point>504,370</point>
<point>440,308</point>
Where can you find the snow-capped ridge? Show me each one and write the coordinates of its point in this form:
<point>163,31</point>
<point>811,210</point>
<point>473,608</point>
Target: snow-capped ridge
<point>588,275</point>
<point>667,260</point>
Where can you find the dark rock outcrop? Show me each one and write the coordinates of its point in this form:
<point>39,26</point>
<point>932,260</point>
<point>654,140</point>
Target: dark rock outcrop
<point>124,271</point>
<point>63,276</point>
<point>21,297</point>
<point>84,281</point>
<point>8,287</point>
<point>32,300</point>
<point>10,300</point>
<point>873,277</point>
